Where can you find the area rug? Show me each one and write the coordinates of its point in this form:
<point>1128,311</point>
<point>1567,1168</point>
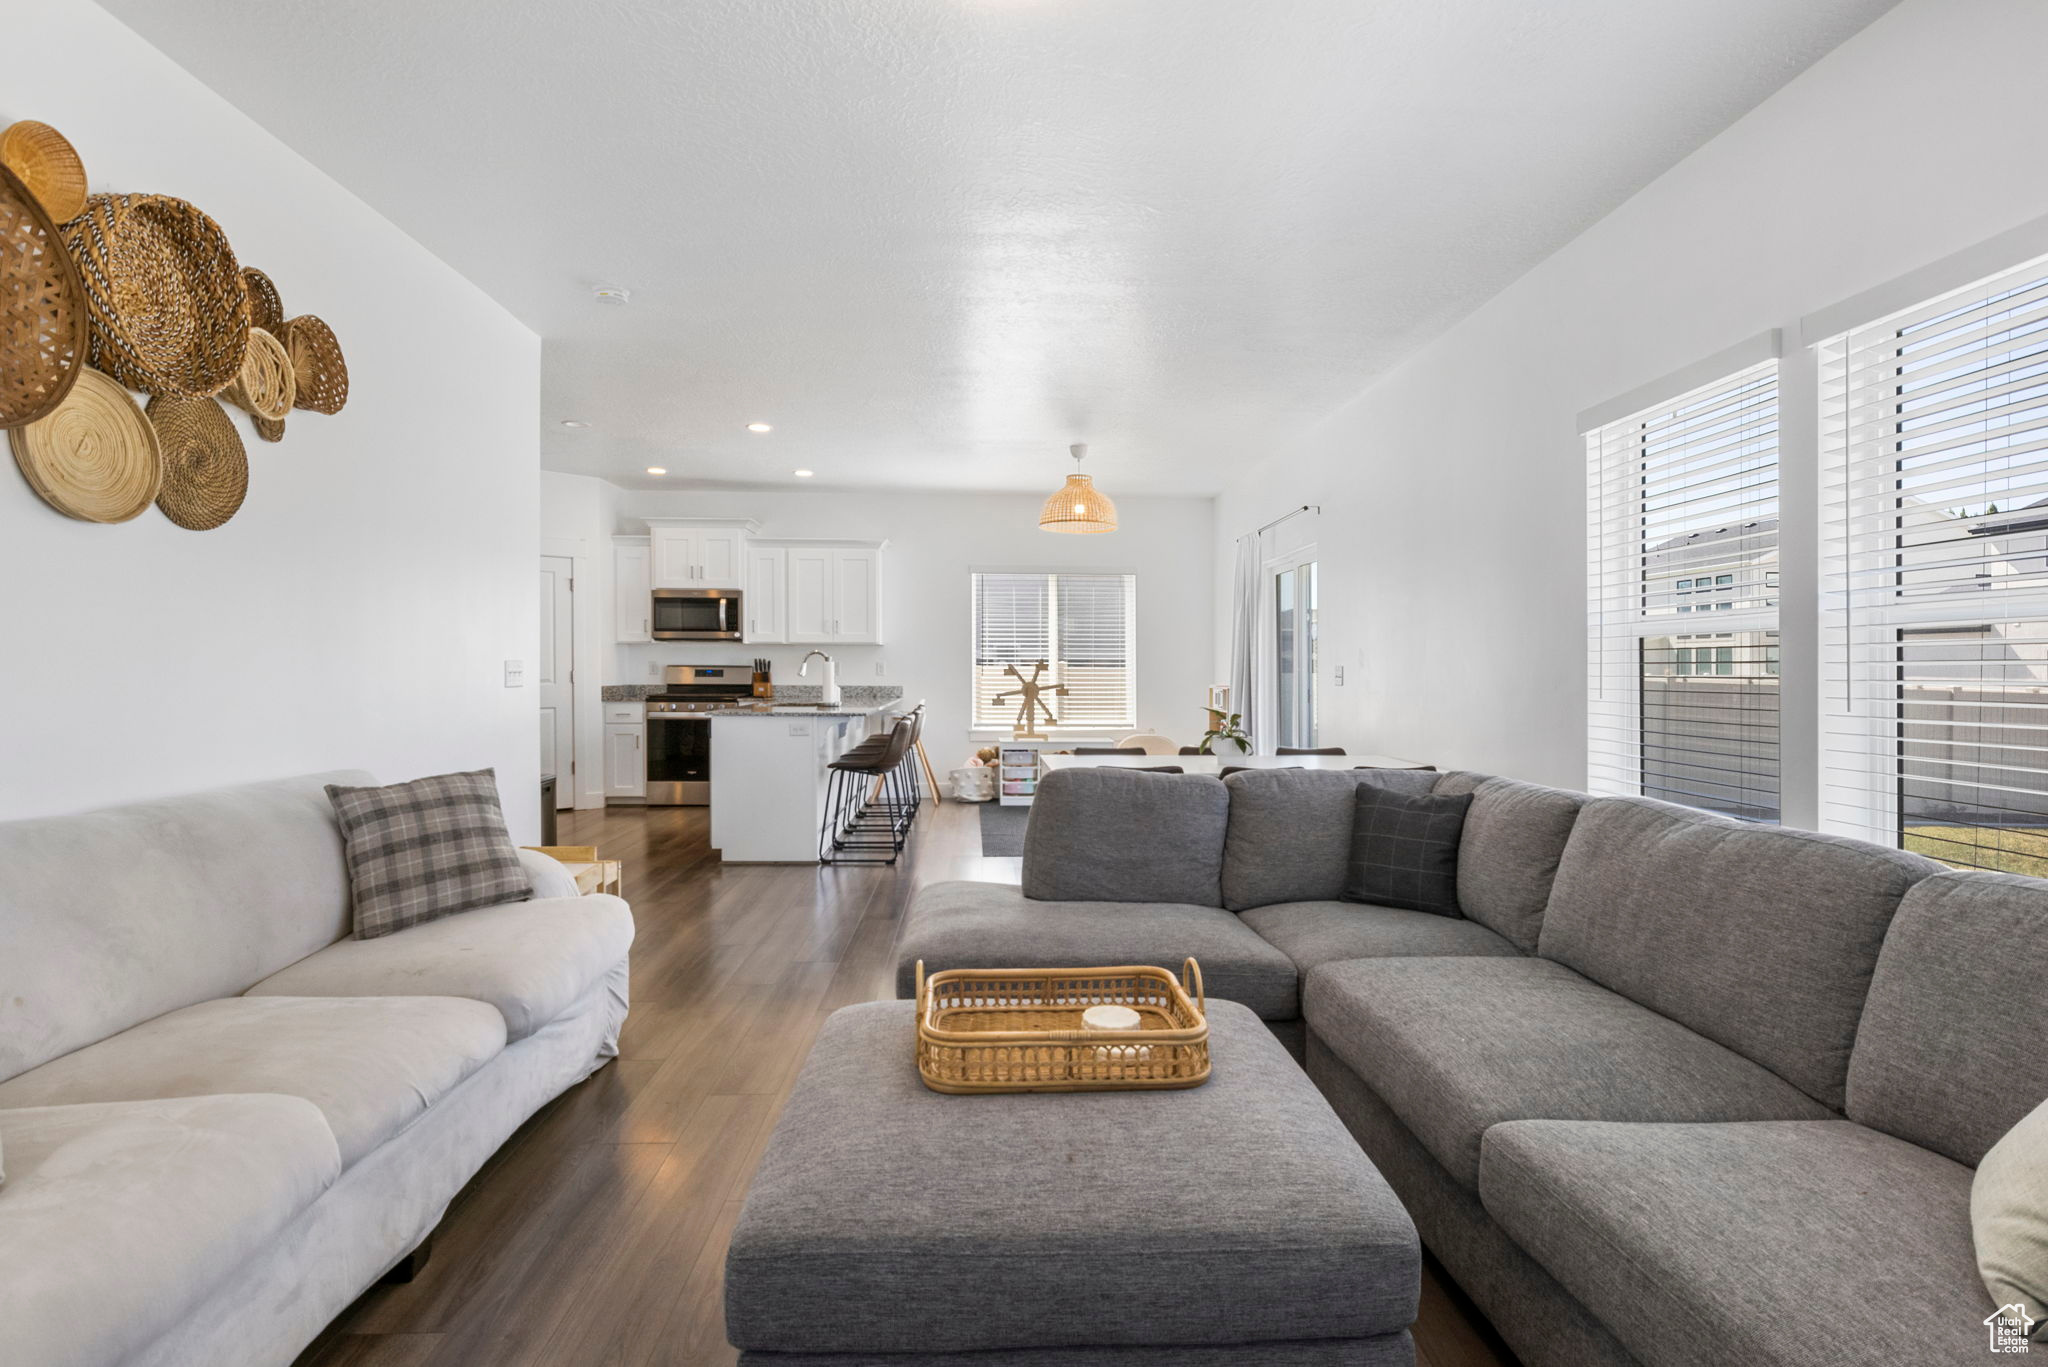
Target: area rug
<point>1002,830</point>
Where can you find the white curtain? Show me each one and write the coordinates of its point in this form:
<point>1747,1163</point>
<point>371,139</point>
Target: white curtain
<point>1247,594</point>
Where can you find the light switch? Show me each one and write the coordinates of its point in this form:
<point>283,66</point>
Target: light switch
<point>515,673</point>
<point>880,671</point>
<point>1340,676</point>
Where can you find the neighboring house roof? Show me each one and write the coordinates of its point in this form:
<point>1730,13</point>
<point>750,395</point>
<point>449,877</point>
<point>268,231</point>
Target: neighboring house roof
<point>1736,541</point>
<point>2032,518</point>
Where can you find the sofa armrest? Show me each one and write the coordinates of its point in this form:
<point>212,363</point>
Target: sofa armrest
<point>548,876</point>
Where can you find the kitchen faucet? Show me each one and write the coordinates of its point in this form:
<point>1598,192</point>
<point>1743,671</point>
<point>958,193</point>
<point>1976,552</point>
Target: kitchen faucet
<point>828,678</point>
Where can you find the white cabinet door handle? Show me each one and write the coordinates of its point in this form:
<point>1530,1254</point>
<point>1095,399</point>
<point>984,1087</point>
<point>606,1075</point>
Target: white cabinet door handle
<point>643,628</point>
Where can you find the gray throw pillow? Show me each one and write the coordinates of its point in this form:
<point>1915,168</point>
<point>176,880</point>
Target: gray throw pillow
<point>2009,1219</point>
<point>1110,835</point>
<point>423,850</point>
<point>1404,849</point>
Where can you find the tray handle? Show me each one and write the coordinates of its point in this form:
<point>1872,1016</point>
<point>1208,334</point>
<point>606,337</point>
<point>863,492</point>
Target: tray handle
<point>1188,969</point>
<point>920,989</point>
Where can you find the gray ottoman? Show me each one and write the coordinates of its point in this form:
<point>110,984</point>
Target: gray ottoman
<point>1234,1225</point>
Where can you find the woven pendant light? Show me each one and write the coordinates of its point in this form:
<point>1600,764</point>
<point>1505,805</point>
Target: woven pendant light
<point>1079,506</point>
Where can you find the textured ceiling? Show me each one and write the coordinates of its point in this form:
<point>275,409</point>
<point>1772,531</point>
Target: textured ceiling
<point>934,241</point>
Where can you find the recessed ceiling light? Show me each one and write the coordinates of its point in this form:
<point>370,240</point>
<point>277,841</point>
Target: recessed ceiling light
<point>759,427</point>
<point>803,474</point>
<point>657,469</point>
<point>576,424</point>
<point>612,294</point>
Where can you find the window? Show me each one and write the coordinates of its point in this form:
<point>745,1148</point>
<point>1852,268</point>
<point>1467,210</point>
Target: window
<point>1081,625</point>
<point>1934,457</point>
<point>1682,519</point>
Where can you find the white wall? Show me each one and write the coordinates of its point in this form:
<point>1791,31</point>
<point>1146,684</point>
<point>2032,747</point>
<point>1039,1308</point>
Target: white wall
<point>1453,489</point>
<point>935,540</point>
<point>358,611</point>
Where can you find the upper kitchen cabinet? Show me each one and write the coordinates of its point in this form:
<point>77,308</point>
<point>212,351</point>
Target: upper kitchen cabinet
<point>699,554</point>
<point>833,592</point>
<point>767,593</point>
<point>857,594</point>
<point>632,590</point>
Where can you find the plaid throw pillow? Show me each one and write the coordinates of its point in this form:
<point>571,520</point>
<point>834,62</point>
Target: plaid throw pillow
<point>1404,849</point>
<point>426,849</point>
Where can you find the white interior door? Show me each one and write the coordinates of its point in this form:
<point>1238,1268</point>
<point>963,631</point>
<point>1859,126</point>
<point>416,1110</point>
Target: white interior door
<point>557,691</point>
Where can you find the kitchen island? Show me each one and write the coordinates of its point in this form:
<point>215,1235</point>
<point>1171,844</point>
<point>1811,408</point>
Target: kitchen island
<point>768,799</point>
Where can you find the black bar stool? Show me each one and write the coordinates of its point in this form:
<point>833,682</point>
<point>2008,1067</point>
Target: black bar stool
<point>872,796</point>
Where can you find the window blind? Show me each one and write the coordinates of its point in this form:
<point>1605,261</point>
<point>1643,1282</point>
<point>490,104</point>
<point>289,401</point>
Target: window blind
<point>1682,599</point>
<point>1934,452</point>
<point>1081,625</point>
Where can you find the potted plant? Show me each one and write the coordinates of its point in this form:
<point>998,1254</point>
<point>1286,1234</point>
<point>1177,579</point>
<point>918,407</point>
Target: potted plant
<point>1225,737</point>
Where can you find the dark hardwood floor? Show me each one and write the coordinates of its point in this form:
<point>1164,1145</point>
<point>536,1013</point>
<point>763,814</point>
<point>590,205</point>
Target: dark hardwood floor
<point>596,1236</point>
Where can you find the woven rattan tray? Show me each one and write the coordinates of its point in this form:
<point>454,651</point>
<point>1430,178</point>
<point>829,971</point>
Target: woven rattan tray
<point>1019,1030</point>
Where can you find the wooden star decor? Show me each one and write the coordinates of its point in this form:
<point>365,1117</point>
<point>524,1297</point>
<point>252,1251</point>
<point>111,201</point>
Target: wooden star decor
<point>1029,690</point>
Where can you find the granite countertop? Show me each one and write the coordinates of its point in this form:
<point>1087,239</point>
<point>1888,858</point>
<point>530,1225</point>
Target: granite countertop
<point>845,709</point>
<point>858,700</point>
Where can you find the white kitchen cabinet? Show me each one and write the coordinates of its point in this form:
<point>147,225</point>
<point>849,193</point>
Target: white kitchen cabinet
<point>808,609</point>
<point>832,593</point>
<point>698,555</point>
<point>675,557</point>
<point>632,590</point>
<point>721,555</point>
<point>767,592</point>
<point>857,594</point>
<point>625,760</point>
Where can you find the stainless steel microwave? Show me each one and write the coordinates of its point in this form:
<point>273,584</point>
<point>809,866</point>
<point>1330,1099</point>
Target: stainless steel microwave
<point>696,615</point>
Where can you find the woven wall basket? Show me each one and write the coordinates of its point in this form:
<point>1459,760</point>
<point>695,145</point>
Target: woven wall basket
<point>270,429</point>
<point>170,314</point>
<point>317,364</point>
<point>48,164</point>
<point>206,469</point>
<point>266,308</point>
<point>265,388</point>
<point>43,337</point>
<point>96,458</point>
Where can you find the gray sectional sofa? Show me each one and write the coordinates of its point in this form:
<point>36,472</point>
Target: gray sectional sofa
<point>1672,1090</point>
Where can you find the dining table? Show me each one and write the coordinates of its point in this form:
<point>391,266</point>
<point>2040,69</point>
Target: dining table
<point>1214,764</point>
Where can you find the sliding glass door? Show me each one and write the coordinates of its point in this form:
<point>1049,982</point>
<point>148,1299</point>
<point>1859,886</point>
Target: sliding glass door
<point>1294,653</point>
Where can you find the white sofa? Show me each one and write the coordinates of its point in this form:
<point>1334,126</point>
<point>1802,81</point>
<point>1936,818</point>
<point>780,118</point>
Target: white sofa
<point>222,1118</point>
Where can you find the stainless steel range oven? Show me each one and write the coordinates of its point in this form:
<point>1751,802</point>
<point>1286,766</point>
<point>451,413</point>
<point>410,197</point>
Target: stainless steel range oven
<point>696,615</point>
<point>679,730</point>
